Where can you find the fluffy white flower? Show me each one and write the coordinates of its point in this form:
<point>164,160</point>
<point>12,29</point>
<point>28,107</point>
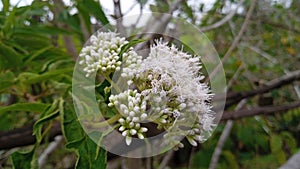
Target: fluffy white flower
<point>164,88</point>
<point>168,81</point>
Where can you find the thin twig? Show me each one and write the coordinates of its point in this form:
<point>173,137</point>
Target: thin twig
<point>274,61</point>
<point>224,20</point>
<point>130,8</point>
<point>68,40</point>
<point>266,110</point>
<point>119,19</point>
<point>236,39</point>
<point>51,147</point>
<point>234,97</point>
<point>227,129</point>
<point>124,163</point>
<point>139,18</point>
<point>149,163</point>
<point>223,138</point>
<point>166,159</point>
<point>157,24</point>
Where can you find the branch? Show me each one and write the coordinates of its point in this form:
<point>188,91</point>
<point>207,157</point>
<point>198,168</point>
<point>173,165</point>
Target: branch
<point>166,159</point>
<point>24,136</point>
<point>52,146</point>
<point>224,20</point>
<point>266,110</point>
<point>157,25</point>
<point>118,16</point>
<point>68,40</point>
<point>223,138</point>
<point>236,40</point>
<point>279,25</point>
<point>274,61</point>
<point>235,97</point>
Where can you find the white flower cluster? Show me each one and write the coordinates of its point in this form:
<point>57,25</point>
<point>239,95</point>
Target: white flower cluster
<point>165,88</point>
<point>102,54</point>
<point>132,105</point>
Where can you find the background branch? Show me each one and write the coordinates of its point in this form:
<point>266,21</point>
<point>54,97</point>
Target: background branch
<point>68,40</point>
<point>266,110</point>
<point>234,97</point>
<point>223,138</point>
<point>236,39</point>
<point>118,16</point>
<point>224,20</point>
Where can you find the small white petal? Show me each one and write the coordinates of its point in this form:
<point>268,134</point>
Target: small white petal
<point>163,121</point>
<point>121,120</point>
<point>128,140</point>
<point>144,116</point>
<point>135,119</point>
<point>137,125</point>
<point>131,124</point>
<point>122,128</point>
<point>136,109</point>
<point>124,133</point>
<point>192,141</point>
<point>140,136</point>
<point>143,129</point>
<point>133,131</point>
<point>123,107</point>
<point>132,113</point>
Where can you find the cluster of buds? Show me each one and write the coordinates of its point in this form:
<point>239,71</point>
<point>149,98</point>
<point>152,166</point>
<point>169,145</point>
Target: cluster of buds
<point>132,106</point>
<point>131,61</point>
<point>101,54</point>
<point>165,88</point>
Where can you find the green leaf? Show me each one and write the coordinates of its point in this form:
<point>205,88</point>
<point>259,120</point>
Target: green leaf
<point>32,107</point>
<point>94,8</point>
<point>45,30</point>
<point>160,7</point>
<point>9,23</point>
<point>73,20</point>
<point>6,5</point>
<point>90,156</point>
<point>230,159</point>
<point>276,148</point>
<point>9,58</point>
<point>276,143</point>
<point>290,141</point>
<point>85,16</point>
<point>188,10</point>
<point>43,77</point>
<point>36,54</point>
<point>31,40</point>
<point>131,43</point>
<point>47,115</point>
<point>142,2</point>
<point>24,160</point>
<point>7,79</point>
<point>74,144</point>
